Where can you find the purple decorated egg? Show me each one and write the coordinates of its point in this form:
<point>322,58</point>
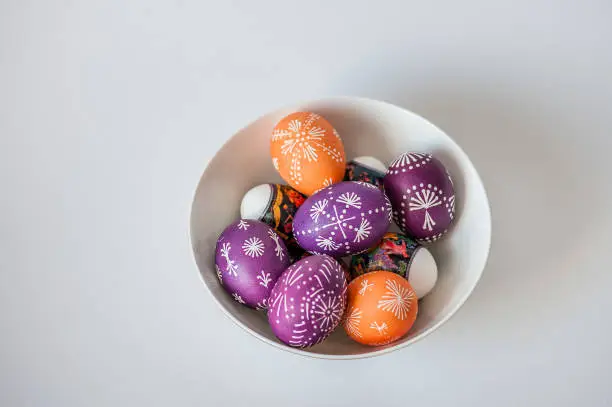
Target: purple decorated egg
<point>249,258</point>
<point>308,301</point>
<point>422,194</point>
<point>342,219</point>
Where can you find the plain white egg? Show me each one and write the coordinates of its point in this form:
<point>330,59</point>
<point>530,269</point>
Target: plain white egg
<point>255,202</point>
<point>423,272</point>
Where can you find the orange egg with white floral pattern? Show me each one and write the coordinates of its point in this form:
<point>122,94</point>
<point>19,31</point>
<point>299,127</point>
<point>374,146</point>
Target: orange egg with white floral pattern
<point>382,307</point>
<point>307,152</point>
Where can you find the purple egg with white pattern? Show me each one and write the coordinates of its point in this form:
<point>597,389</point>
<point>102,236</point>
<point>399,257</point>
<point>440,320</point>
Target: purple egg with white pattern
<point>342,219</point>
<point>249,258</point>
<point>308,301</point>
<point>422,195</point>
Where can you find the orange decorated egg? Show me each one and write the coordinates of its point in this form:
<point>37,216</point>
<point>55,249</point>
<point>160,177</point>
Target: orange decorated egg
<point>382,306</point>
<point>307,152</point>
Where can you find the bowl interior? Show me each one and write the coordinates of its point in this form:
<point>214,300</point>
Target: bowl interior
<point>367,127</point>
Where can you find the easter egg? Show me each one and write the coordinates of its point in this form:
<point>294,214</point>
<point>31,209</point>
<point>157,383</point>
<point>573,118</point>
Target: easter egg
<point>422,194</point>
<point>249,258</point>
<point>365,169</point>
<point>401,255</point>
<point>275,205</point>
<point>308,301</point>
<point>307,152</point>
<point>342,219</point>
<point>345,267</point>
<point>382,307</point>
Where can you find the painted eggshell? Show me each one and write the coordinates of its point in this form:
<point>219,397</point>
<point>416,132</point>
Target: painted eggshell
<point>422,194</point>
<point>365,169</point>
<point>382,307</point>
<point>345,267</point>
<point>307,152</point>
<point>275,205</point>
<point>249,258</point>
<point>401,255</point>
<point>342,219</point>
<point>308,301</point>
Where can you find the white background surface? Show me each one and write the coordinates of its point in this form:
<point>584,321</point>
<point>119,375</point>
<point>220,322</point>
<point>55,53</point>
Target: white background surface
<point>109,111</point>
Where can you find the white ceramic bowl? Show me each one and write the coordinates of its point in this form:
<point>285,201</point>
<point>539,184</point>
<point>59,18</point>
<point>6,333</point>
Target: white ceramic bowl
<point>367,127</point>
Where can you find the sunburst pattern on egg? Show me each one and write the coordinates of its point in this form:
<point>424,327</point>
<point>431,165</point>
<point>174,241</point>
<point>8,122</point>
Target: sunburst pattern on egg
<point>382,307</point>
<point>422,195</point>
<point>308,301</point>
<point>307,152</point>
<point>342,219</point>
<point>249,258</point>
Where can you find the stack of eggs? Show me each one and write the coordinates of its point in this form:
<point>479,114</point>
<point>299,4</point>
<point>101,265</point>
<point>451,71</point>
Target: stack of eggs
<point>318,252</point>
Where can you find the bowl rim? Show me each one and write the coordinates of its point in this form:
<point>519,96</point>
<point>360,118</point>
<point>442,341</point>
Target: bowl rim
<point>375,353</point>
